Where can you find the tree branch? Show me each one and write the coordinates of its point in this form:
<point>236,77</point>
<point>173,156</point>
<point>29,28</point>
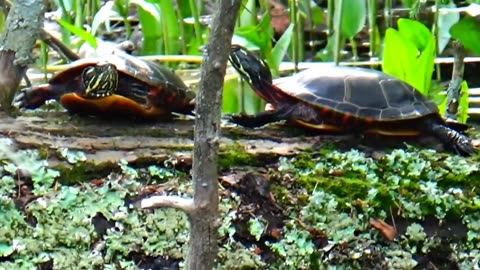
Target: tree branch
<point>24,22</point>
<point>453,91</point>
<point>203,238</point>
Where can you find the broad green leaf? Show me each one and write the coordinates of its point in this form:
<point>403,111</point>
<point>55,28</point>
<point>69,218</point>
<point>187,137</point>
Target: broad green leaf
<point>278,52</point>
<point>260,35</point>
<point>170,24</point>
<point>150,18</point>
<point>424,66</point>
<point>398,55</point>
<point>249,14</point>
<point>81,33</point>
<point>409,54</point>
<point>467,30</point>
<point>463,104</point>
<point>416,32</point>
<point>354,15</point>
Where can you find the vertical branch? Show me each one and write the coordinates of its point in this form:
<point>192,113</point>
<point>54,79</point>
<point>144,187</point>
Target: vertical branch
<point>23,25</point>
<point>204,219</point>
<point>453,91</point>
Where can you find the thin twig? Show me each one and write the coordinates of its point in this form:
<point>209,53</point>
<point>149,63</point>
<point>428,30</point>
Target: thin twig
<point>184,204</point>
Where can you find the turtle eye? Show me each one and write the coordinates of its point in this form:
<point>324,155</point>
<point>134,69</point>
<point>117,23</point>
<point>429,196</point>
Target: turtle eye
<point>100,80</point>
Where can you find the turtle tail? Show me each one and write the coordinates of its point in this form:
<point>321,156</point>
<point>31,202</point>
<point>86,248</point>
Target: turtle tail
<point>453,139</point>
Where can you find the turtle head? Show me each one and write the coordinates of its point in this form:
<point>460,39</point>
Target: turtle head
<point>100,80</point>
<point>252,69</point>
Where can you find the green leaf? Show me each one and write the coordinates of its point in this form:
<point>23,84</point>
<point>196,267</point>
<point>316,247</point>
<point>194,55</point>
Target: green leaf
<point>354,15</point>
<point>248,17</point>
<point>397,50</point>
<point>416,32</point>
<point>260,35</point>
<point>170,25</point>
<point>150,19</point>
<point>409,54</point>
<point>467,30</point>
<point>280,49</point>
<point>81,33</point>
<point>463,104</point>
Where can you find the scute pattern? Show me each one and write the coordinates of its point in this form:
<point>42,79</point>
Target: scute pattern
<point>365,94</point>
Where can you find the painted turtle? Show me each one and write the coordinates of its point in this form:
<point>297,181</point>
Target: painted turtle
<point>345,99</point>
<point>113,85</point>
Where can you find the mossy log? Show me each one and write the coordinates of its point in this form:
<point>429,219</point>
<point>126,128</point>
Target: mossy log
<point>110,141</point>
<point>106,142</point>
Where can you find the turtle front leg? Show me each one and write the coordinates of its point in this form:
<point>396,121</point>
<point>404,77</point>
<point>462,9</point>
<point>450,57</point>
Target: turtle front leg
<point>34,97</point>
<point>460,143</point>
<point>263,118</point>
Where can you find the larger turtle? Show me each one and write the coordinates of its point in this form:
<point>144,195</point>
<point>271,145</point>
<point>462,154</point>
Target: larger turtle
<point>113,85</point>
<point>345,99</point>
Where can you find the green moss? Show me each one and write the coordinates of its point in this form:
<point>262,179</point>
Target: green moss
<point>235,155</point>
<point>346,189</point>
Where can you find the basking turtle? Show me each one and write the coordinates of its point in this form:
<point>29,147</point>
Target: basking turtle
<point>113,85</point>
<point>347,100</point>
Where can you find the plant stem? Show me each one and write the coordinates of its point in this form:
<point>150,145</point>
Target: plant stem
<point>372,23</point>
<point>196,21</point>
<point>337,31</point>
<point>295,46</point>
<point>388,14</point>
<point>435,33</point>
<point>331,12</point>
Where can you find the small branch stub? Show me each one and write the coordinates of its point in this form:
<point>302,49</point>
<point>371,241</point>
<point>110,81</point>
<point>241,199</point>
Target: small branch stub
<point>176,202</point>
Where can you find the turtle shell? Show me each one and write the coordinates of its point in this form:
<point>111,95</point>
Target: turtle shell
<point>145,89</point>
<point>367,95</point>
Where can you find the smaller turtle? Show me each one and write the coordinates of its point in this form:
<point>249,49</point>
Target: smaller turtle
<point>117,85</point>
<point>345,100</point>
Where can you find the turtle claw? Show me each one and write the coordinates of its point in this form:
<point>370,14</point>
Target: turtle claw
<point>20,100</point>
<point>32,98</point>
<point>463,146</point>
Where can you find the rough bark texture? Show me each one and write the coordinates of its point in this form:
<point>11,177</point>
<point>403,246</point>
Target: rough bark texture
<point>203,238</point>
<point>24,22</point>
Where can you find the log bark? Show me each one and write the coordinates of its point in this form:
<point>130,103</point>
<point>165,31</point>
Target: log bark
<point>106,142</point>
<point>203,244</point>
